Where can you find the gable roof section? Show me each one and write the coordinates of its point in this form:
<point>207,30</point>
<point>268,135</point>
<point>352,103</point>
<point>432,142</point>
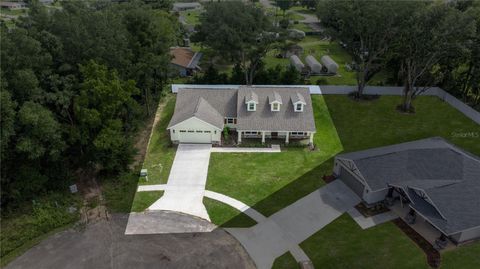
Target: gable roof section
<point>297,97</point>
<point>210,106</point>
<point>263,119</point>
<point>448,175</point>
<point>184,57</point>
<point>250,96</point>
<point>274,97</point>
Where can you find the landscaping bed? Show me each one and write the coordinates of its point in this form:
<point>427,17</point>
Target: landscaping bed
<point>371,211</point>
<point>433,256</point>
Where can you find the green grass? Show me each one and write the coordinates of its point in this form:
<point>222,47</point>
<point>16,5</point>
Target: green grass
<point>119,192</point>
<point>192,16</point>
<point>143,200</point>
<point>312,45</point>
<point>343,244</point>
<point>294,16</point>
<point>286,261</point>
<point>31,223</point>
<point>467,257</point>
<point>269,182</point>
<point>301,27</point>
<point>225,216</point>
<point>160,152</point>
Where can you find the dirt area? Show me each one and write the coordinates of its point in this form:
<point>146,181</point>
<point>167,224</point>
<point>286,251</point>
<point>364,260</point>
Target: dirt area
<point>103,244</point>
<point>143,137</point>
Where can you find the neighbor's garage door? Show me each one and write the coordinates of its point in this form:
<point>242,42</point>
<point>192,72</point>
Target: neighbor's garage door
<point>195,136</point>
<point>351,182</point>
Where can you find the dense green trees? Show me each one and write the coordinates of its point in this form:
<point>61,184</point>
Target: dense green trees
<point>74,82</point>
<point>368,29</point>
<point>425,43</point>
<point>238,31</point>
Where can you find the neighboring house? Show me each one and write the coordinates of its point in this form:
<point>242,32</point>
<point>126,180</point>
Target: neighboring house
<point>185,60</point>
<point>13,5</point>
<point>253,112</point>
<point>439,181</point>
<point>186,6</point>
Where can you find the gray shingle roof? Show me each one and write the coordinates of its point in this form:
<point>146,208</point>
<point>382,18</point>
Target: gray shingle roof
<point>274,97</point>
<point>223,103</point>
<point>231,103</point>
<point>448,175</point>
<point>263,119</point>
<point>250,95</point>
<point>298,97</point>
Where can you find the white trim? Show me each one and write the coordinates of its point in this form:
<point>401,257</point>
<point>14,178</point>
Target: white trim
<point>197,119</point>
<point>273,104</point>
<point>302,104</point>
<point>254,106</point>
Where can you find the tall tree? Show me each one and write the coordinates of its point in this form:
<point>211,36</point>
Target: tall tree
<point>436,31</point>
<point>239,31</point>
<point>368,29</point>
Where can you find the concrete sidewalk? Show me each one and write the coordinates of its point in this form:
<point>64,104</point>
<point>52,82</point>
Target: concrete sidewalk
<point>273,149</point>
<point>186,183</point>
<point>286,229</point>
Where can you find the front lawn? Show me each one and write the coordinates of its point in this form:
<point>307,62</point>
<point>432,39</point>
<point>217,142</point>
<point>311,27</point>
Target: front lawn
<point>269,182</point>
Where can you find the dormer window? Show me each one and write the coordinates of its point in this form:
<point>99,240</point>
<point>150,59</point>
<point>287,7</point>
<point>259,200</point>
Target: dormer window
<point>298,107</point>
<point>251,106</point>
<point>275,106</point>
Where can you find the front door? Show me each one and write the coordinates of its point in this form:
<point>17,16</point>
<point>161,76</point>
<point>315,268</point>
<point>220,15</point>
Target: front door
<point>274,134</point>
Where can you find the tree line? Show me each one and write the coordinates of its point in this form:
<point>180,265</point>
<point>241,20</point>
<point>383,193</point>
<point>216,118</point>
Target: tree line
<point>423,43</point>
<point>75,83</point>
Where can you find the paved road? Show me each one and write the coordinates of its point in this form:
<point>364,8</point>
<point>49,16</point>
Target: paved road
<point>284,230</point>
<point>186,182</point>
<point>104,245</point>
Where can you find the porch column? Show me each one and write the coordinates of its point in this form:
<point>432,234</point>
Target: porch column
<point>286,137</point>
<point>239,137</point>
<point>311,138</point>
<point>263,137</point>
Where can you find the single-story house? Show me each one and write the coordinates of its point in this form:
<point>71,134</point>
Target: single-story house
<point>185,61</point>
<point>186,6</point>
<point>439,181</point>
<point>13,5</point>
<point>201,115</point>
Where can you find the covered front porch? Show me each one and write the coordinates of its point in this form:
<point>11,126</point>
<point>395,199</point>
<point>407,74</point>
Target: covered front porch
<point>421,225</point>
<point>285,136</point>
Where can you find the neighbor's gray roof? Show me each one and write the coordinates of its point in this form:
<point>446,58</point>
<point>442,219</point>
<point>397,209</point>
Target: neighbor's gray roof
<point>426,159</point>
<point>209,105</point>
<point>263,119</point>
<point>448,175</point>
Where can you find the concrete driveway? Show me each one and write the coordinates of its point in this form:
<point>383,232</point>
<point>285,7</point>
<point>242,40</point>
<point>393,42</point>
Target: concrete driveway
<point>286,229</point>
<point>104,245</point>
<point>186,182</point>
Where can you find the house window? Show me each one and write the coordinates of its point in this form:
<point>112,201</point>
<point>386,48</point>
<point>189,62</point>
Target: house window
<point>230,121</point>
<point>251,106</point>
<point>207,131</point>
<point>182,131</point>
<point>191,131</point>
<point>275,107</point>
<point>251,133</point>
<point>173,131</point>
<point>199,131</point>
<point>298,133</point>
<point>298,107</point>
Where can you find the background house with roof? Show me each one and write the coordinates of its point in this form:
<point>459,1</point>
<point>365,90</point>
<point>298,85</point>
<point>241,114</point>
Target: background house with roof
<point>184,62</point>
<point>284,113</point>
<point>438,182</point>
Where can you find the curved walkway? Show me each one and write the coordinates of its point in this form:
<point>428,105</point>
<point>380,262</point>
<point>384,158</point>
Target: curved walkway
<point>277,238</point>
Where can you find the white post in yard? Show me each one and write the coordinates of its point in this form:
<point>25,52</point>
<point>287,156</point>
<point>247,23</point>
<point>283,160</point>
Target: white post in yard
<point>239,137</point>
<point>286,137</point>
<point>263,137</point>
<point>311,138</point>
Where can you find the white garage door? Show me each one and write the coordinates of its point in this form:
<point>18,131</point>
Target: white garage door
<point>195,136</point>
